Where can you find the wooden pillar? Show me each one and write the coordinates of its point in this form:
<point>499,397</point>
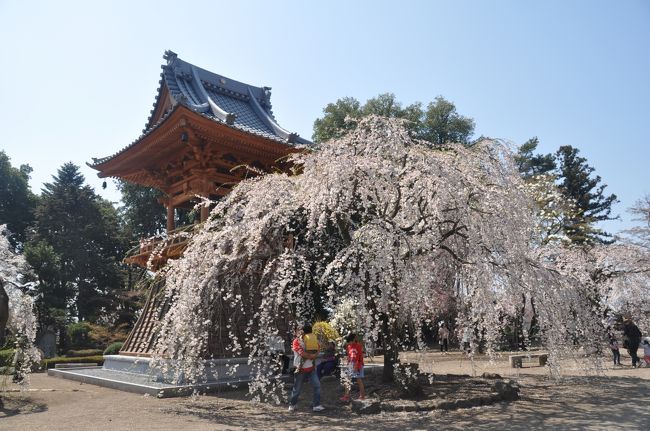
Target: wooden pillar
<point>206,186</point>
<point>170,217</point>
<point>205,212</point>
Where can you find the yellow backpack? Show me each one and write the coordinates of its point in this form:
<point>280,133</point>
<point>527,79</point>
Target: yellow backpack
<point>311,342</point>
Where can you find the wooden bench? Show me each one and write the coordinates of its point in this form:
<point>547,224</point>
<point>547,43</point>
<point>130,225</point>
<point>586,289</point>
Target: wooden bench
<point>515,360</point>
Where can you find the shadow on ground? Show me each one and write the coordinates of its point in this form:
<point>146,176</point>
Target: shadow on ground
<point>18,405</point>
<point>572,403</point>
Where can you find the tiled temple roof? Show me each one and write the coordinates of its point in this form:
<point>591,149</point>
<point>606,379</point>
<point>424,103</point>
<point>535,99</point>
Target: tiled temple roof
<point>223,100</point>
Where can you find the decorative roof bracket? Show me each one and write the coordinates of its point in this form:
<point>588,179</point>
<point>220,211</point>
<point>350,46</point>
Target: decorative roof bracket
<point>227,117</point>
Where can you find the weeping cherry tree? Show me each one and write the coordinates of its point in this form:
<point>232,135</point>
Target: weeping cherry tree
<point>16,307</point>
<point>381,219</point>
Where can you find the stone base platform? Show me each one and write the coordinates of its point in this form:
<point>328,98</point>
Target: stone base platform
<point>133,374</point>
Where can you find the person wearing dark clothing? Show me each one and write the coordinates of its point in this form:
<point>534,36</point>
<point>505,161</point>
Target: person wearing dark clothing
<point>632,336</point>
<point>328,361</point>
<point>443,337</point>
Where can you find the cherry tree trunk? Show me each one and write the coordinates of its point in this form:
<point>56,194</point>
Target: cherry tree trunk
<point>391,347</point>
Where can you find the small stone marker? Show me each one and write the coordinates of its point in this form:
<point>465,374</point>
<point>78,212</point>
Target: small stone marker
<point>47,343</point>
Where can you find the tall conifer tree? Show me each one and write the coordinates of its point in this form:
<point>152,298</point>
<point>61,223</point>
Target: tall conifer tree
<point>76,232</point>
<point>588,193</point>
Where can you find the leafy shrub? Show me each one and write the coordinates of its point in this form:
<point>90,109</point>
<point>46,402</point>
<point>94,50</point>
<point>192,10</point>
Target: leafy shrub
<point>6,357</point>
<point>325,332</point>
<point>114,348</point>
<point>91,335</point>
<point>79,333</point>
<point>83,352</point>
<point>51,363</point>
<point>101,336</point>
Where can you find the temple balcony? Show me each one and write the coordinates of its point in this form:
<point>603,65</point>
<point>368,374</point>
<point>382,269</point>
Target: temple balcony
<point>158,249</point>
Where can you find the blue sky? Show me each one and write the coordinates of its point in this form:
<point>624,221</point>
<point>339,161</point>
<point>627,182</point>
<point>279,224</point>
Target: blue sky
<point>77,79</point>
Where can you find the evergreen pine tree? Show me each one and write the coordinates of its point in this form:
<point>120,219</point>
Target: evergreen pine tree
<point>588,194</point>
<point>76,247</point>
<point>531,164</point>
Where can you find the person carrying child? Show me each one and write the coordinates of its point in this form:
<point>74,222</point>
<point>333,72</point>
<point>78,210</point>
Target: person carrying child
<point>632,338</point>
<point>355,367</point>
<point>305,350</point>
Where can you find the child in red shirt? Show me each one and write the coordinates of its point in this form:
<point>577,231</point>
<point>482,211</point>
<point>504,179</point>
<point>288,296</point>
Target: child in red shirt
<point>355,366</point>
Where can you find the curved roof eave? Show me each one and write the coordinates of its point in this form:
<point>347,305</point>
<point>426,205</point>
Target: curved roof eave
<point>97,162</point>
<point>146,132</point>
<point>177,76</point>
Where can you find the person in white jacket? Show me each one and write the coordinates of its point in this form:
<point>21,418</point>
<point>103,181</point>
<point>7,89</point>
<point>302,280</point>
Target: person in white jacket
<point>646,351</point>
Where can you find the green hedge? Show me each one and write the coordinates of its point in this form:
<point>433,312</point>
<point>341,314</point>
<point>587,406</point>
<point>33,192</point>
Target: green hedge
<point>6,357</point>
<point>50,363</point>
<point>83,352</point>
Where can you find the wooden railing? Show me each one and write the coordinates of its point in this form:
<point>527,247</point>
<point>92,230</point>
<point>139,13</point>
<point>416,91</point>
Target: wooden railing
<point>163,248</point>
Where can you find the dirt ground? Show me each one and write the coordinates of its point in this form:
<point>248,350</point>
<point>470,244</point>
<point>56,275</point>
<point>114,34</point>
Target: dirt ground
<point>619,398</point>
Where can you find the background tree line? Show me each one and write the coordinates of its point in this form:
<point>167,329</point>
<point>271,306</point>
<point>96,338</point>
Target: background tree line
<point>439,122</point>
<point>75,242</point>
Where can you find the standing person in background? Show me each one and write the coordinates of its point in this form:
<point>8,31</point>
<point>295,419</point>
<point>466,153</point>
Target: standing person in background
<point>443,337</point>
<point>466,341</point>
<point>303,359</point>
<point>613,344</point>
<point>632,339</point>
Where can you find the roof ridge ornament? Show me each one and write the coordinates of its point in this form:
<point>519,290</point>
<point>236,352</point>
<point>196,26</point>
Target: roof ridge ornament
<point>266,97</point>
<point>170,56</point>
